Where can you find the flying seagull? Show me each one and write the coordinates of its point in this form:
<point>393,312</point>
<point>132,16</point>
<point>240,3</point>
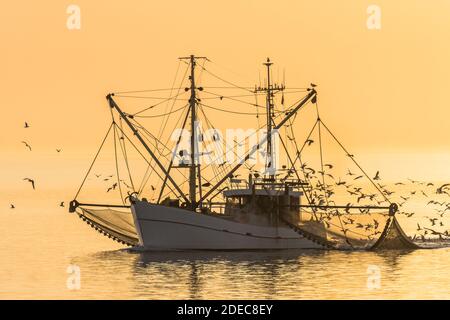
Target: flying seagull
<point>31,181</point>
<point>12,206</point>
<point>26,125</point>
<point>377,176</point>
<point>61,204</point>
<point>441,190</point>
<point>26,145</point>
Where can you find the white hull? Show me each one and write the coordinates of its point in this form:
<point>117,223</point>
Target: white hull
<point>167,228</point>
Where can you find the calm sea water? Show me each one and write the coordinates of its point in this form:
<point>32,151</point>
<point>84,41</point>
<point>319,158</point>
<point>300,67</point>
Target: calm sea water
<point>41,248</point>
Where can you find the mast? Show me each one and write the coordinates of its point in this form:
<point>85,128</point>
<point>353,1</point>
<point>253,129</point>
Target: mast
<point>270,89</point>
<point>192,105</point>
<point>192,169</point>
<point>269,108</point>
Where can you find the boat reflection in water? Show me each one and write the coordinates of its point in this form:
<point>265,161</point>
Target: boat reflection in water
<point>274,274</point>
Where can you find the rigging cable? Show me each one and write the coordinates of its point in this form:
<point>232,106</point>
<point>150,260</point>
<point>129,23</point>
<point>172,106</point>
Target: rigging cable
<point>323,174</point>
<point>93,161</point>
<point>117,164</point>
<point>145,159</point>
<point>355,162</point>
<point>160,115</point>
<point>228,111</point>
<point>226,81</point>
<point>157,104</point>
<point>148,90</point>
<point>124,152</point>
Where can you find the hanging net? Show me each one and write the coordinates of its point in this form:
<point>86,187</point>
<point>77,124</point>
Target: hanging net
<point>114,224</point>
<point>359,231</point>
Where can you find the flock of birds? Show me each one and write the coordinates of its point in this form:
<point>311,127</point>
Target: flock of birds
<point>324,187</point>
<point>27,179</point>
<point>325,190</point>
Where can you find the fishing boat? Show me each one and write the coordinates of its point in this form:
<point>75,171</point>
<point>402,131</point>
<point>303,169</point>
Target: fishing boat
<point>287,206</point>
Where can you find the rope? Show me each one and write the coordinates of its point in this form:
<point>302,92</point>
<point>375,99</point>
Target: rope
<point>145,97</point>
<point>171,160</point>
<point>161,115</point>
<point>323,176</point>
<point>226,81</point>
<point>93,161</point>
<point>228,111</point>
<point>149,90</point>
<point>157,104</point>
<point>124,152</point>
<point>355,162</point>
<point>145,159</point>
<point>117,163</point>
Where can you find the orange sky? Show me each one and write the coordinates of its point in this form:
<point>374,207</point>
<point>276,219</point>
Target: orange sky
<point>383,92</point>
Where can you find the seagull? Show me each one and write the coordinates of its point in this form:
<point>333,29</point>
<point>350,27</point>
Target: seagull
<point>58,150</point>
<point>309,142</point>
<point>153,188</point>
<point>330,166</point>
<point>349,221</point>
<point>432,220</point>
<point>113,187</point>
<point>125,183</point>
<point>362,196</point>
<point>313,85</point>
<point>376,223</point>
<point>61,204</point>
<point>347,208</point>
<point>377,176</point>
<point>12,206</point>
<point>441,190</point>
<point>26,145</point>
<point>26,125</point>
<point>31,181</point>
